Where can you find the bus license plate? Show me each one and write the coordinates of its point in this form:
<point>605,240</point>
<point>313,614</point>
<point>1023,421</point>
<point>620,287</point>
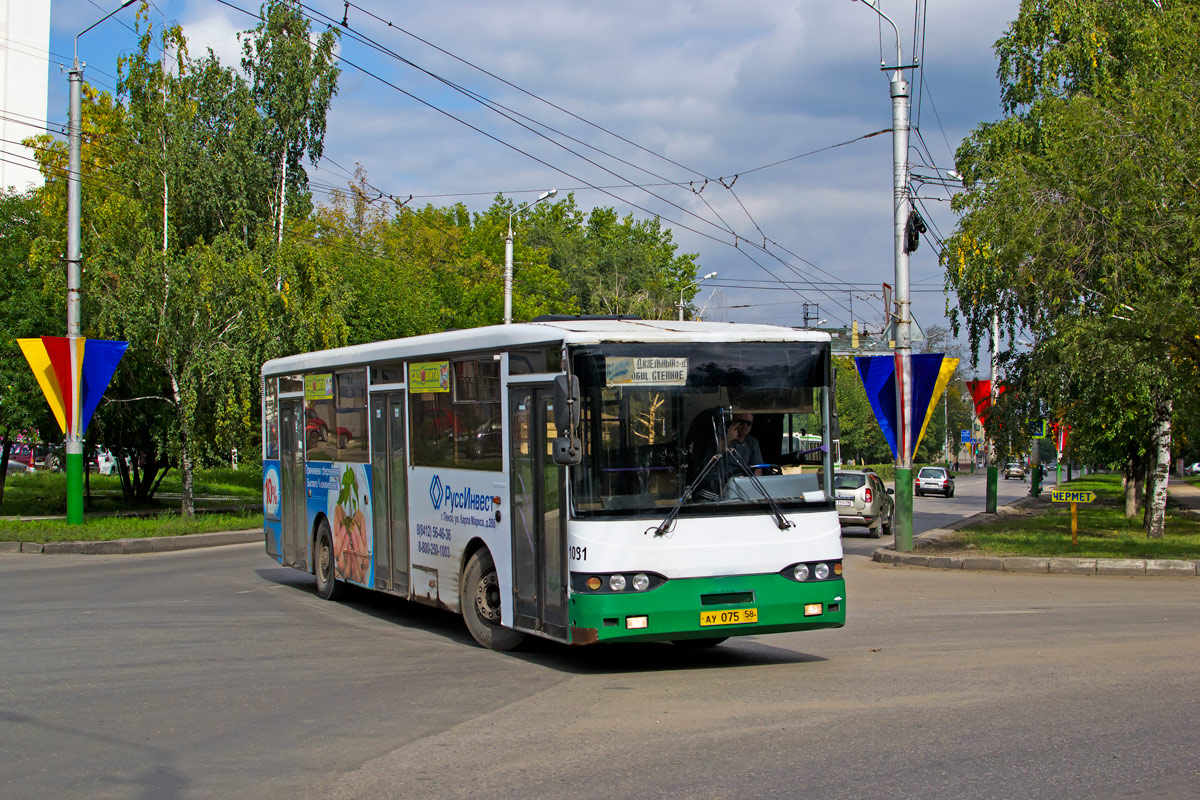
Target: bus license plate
<point>733,616</point>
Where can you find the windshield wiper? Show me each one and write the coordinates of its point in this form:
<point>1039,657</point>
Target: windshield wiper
<point>782,522</point>
<point>668,523</point>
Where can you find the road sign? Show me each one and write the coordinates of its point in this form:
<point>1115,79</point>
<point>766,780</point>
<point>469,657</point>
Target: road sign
<point>1070,496</point>
<point>1038,428</point>
<point>965,437</point>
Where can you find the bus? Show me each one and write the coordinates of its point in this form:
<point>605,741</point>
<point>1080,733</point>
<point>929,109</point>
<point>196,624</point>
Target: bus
<point>584,480</point>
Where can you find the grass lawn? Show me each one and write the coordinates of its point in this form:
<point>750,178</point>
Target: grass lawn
<point>1104,531</point>
<point>36,494</point>
<point>105,528</point>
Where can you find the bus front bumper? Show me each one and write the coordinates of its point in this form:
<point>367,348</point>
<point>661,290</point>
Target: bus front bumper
<point>702,608</point>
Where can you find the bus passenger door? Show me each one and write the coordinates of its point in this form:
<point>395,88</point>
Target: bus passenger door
<point>389,487</point>
<point>538,522</point>
<point>292,500</point>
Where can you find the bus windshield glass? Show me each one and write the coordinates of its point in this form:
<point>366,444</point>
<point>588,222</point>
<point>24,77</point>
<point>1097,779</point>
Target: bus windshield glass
<point>660,419</point>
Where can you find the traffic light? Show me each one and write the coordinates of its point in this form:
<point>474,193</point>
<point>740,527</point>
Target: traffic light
<point>912,231</point>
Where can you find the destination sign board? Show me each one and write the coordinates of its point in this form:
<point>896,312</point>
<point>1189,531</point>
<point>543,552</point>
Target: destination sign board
<point>1071,496</point>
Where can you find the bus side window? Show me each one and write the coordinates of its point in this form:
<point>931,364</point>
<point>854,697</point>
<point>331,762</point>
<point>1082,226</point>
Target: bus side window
<point>270,419</point>
<point>351,413</point>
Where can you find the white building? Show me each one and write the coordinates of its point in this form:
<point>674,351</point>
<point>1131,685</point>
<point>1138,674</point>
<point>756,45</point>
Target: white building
<point>24,79</point>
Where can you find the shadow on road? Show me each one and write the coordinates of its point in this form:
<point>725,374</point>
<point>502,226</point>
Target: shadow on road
<point>594,659</point>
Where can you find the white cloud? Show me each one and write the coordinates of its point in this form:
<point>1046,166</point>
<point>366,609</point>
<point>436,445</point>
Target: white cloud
<point>718,87</point>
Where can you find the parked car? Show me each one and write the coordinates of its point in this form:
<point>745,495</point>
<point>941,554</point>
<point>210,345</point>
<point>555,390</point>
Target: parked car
<point>16,466</point>
<point>934,480</point>
<point>1014,469</point>
<point>1194,469</point>
<point>862,499</point>
<point>21,453</point>
<point>106,462</point>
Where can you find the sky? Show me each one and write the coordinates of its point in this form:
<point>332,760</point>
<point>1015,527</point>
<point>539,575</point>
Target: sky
<point>744,113</point>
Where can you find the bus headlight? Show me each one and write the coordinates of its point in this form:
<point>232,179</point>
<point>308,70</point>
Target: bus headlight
<point>641,582</point>
<point>801,572</point>
<point>616,583</point>
<point>821,571</point>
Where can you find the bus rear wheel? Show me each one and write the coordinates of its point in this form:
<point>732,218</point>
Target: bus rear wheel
<point>479,596</point>
<point>328,587</point>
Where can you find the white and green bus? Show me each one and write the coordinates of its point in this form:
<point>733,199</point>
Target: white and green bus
<point>582,480</point>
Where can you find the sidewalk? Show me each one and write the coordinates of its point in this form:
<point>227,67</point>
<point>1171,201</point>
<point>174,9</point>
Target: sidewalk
<point>926,545</point>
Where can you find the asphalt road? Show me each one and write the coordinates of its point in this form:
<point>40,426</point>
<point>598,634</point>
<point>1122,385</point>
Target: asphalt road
<point>932,511</point>
<point>216,673</point>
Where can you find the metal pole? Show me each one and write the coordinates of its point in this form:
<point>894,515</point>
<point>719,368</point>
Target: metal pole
<point>508,272</point>
<point>508,254</point>
<point>993,472</point>
<point>902,208</point>
<point>903,355</point>
<point>74,443</point>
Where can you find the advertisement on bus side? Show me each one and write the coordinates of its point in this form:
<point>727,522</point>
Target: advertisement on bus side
<point>342,492</point>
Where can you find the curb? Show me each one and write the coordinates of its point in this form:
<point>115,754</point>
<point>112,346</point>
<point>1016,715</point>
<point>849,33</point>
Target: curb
<point>148,544</point>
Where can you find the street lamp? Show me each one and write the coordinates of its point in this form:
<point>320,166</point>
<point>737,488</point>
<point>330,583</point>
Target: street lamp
<point>508,253</point>
<point>697,283</point>
<point>74,444</point>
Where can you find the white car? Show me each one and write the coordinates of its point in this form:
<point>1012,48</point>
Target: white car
<point>106,462</point>
<point>1194,469</point>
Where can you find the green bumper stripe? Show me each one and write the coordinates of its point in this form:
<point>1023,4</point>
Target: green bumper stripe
<point>673,609</point>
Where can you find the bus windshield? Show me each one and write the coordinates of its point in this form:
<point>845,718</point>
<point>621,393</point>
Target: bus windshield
<point>659,419</point>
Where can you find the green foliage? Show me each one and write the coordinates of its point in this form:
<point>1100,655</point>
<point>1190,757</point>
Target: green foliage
<point>1078,222</point>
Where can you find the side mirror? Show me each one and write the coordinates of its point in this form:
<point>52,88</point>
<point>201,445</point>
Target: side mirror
<point>568,451</point>
<point>566,404</point>
<point>891,491</point>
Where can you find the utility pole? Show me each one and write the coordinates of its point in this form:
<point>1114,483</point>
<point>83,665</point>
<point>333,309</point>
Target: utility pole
<point>993,472</point>
<point>902,207</point>
<point>74,442</point>
<point>508,253</point>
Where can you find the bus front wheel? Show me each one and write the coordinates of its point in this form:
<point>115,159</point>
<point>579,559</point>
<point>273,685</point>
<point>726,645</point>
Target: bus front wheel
<point>479,596</point>
<point>328,587</point>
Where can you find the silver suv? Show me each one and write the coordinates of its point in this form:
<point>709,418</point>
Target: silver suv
<point>862,499</point>
<point>936,480</point>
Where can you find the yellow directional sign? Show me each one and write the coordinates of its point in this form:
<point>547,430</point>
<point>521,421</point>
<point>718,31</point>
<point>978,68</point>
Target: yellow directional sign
<point>1070,496</point>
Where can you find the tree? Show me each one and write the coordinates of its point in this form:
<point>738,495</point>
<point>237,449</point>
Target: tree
<point>1078,214</point>
<point>23,314</point>
<point>293,80</point>
<point>179,208</point>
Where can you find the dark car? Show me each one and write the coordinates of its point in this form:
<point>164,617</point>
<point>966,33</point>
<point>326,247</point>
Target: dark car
<point>862,499</point>
<point>934,480</point>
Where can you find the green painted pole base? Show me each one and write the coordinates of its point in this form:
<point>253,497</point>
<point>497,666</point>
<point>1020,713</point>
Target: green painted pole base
<point>903,526</point>
<point>1035,481</point>
<point>993,488</point>
<point>74,488</point>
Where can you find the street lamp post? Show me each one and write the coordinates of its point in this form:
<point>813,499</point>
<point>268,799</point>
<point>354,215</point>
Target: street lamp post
<point>74,443</point>
<point>902,207</point>
<point>696,283</point>
<point>508,253</point>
